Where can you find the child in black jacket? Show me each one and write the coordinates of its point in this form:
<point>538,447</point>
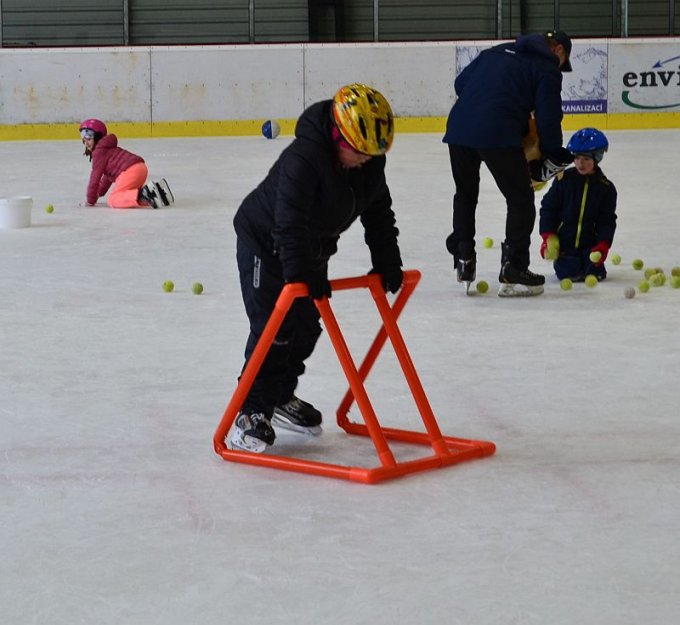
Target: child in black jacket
<point>332,174</point>
<point>578,213</point>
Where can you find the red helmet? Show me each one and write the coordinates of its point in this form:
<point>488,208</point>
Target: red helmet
<point>96,126</point>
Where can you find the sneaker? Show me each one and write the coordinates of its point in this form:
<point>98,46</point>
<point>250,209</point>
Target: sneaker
<point>148,194</point>
<point>519,282</point>
<point>299,416</point>
<point>252,432</point>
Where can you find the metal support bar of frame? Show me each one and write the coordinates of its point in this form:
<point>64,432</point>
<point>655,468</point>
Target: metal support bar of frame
<point>671,17</point>
<point>376,18</point>
<point>499,20</point>
<point>126,22</point>
<point>251,21</point>
<point>624,18</point>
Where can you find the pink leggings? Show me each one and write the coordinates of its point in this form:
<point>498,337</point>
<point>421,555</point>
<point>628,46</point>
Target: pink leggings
<point>127,185</point>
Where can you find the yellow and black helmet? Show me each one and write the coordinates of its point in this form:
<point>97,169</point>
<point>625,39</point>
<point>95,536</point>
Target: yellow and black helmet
<point>364,118</point>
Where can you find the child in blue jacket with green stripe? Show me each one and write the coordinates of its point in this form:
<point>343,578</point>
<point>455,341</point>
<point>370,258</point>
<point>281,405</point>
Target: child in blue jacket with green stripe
<point>578,214</point>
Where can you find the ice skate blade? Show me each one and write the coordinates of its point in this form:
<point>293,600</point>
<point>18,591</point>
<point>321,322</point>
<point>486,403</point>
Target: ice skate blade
<point>282,422</point>
<point>519,290</point>
<point>238,440</point>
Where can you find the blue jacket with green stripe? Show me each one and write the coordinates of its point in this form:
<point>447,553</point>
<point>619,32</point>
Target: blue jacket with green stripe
<point>580,209</point>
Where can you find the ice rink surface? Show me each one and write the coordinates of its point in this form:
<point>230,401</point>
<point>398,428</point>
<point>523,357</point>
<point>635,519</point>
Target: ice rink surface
<point>116,510</point>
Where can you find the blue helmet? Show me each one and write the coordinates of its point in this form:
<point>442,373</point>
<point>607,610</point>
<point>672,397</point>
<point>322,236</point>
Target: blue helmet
<point>589,142</point>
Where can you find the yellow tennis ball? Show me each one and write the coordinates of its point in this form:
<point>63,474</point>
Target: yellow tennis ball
<point>197,288</point>
<point>591,281</point>
<point>49,208</point>
<point>566,284</point>
<point>675,271</point>
<point>482,286</point>
<point>488,242</point>
<point>657,279</point>
<point>637,264</point>
<point>616,259</point>
<point>168,286</point>
<point>643,286</point>
<point>552,248</point>
<point>675,282</point>
<point>595,257</point>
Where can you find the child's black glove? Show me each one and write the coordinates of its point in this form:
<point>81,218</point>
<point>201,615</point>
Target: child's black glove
<point>392,277</point>
<point>317,283</point>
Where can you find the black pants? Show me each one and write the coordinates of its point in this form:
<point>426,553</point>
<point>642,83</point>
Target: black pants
<point>509,168</point>
<point>261,285</point>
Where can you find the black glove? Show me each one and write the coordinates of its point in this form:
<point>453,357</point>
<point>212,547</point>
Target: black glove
<point>551,165</point>
<point>316,282</point>
<point>392,277</point>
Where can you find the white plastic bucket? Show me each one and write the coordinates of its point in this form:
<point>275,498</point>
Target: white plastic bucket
<point>15,212</point>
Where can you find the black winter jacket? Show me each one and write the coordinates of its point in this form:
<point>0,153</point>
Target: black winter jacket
<point>580,209</point>
<point>498,91</point>
<point>297,213</point>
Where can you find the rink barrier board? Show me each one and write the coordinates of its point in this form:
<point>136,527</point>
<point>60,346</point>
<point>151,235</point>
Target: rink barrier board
<point>253,127</point>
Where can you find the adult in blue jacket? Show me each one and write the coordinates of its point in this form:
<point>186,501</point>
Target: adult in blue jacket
<point>330,175</point>
<point>497,94</point>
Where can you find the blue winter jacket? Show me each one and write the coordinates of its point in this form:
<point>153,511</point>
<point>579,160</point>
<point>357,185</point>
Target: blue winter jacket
<point>498,91</point>
<point>294,217</point>
<point>580,209</point>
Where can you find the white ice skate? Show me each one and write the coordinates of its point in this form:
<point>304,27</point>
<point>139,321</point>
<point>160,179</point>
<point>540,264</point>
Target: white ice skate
<point>519,290</point>
<point>162,189</point>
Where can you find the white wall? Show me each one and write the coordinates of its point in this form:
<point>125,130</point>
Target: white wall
<point>233,83</point>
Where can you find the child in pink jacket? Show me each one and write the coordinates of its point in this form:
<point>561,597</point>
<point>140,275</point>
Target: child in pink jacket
<point>124,170</point>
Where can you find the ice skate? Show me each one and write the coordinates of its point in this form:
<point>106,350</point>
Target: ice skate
<point>163,192</point>
<point>466,271</point>
<point>251,432</point>
<point>148,194</point>
<point>519,282</point>
<point>299,416</point>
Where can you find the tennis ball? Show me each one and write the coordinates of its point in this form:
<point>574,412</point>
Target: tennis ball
<point>675,271</point>
<point>566,284</point>
<point>552,248</point>
<point>675,282</point>
<point>616,259</point>
<point>49,208</point>
<point>595,257</point>
<point>649,272</point>
<point>657,279</point>
<point>488,242</point>
<point>643,286</point>
<point>637,264</point>
<point>197,288</point>
<point>482,286</point>
<point>168,286</point>
<point>629,292</point>
<point>591,281</point>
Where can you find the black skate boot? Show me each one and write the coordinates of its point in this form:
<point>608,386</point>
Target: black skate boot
<point>299,416</point>
<point>515,281</point>
<point>148,194</point>
<point>519,282</point>
<point>252,431</point>
<point>466,264</point>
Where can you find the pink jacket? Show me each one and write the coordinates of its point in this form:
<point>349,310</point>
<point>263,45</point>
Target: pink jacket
<point>108,162</point>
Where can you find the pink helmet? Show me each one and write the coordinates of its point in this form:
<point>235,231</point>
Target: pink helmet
<point>96,126</point>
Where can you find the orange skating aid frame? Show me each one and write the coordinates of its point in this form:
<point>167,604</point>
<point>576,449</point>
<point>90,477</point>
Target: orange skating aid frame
<point>447,450</point>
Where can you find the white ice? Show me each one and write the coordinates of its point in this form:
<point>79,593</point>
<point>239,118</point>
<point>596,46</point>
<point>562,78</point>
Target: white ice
<point>116,510</point>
